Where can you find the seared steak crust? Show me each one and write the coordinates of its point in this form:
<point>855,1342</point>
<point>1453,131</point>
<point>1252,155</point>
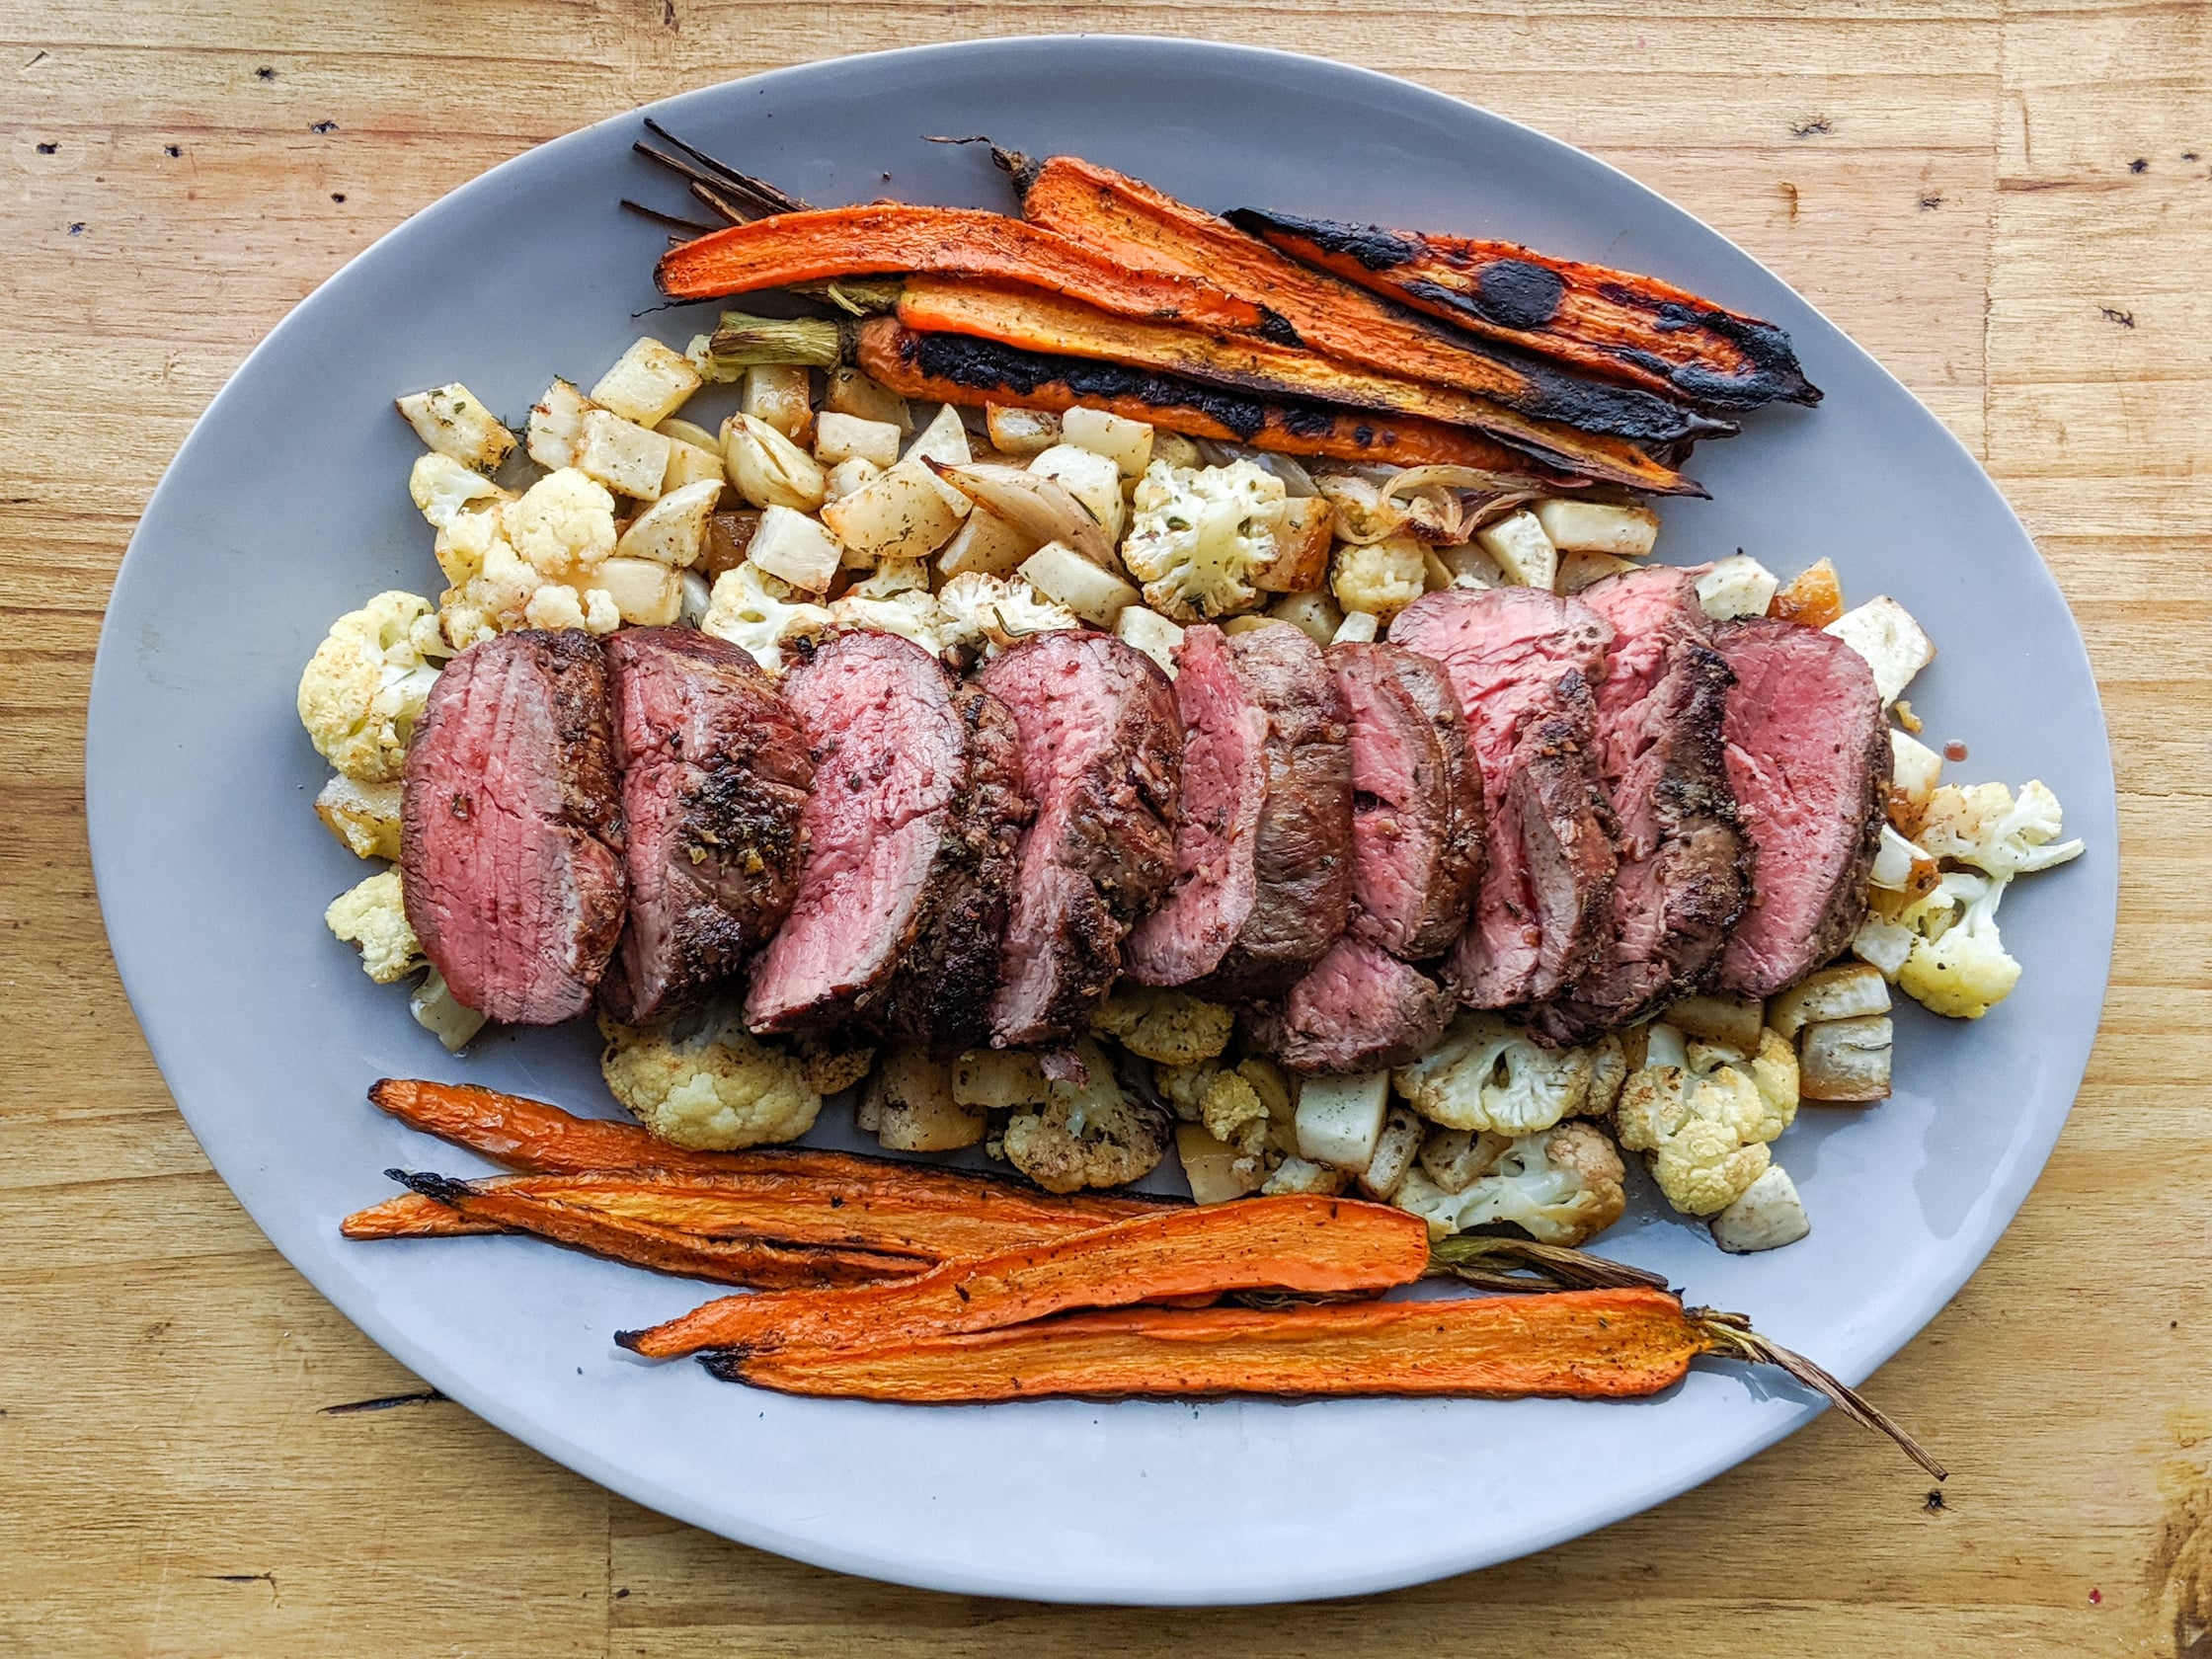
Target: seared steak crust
<point>511,832</point>
<point>715,777</point>
<point>1102,753</point>
<point>1416,803</point>
<point>1358,1009</point>
<point>1263,870</point>
<point>1682,881</point>
<point>1809,759</point>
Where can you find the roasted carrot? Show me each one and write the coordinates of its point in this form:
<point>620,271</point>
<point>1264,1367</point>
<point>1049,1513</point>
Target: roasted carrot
<point>958,369</point>
<point>538,1138</point>
<point>905,1219</point>
<point>757,1263</point>
<point>884,237</point>
<point>1611,322</point>
<point>1117,216</point>
<point>1058,327</point>
<point>1290,1243</point>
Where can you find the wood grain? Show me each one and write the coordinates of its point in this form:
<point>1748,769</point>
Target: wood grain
<point>1957,185</point>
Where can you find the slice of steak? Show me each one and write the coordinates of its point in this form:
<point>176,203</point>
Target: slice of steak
<point>1416,802</point>
<point>1682,881</point>
<point>511,828</point>
<point>912,782</point>
<point>1102,755</point>
<point>1808,758</point>
<point>1263,865</point>
<point>715,777</point>
<point>1522,662</point>
<point>1358,1009</point>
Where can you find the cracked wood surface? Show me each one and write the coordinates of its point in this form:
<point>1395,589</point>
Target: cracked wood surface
<point>2007,203</point>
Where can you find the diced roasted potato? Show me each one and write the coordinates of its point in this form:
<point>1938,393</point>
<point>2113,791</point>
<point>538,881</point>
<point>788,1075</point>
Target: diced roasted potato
<point>629,460</point>
<point>728,534</point>
<point>673,528</point>
<point>1844,1060</point>
<point>794,547</point>
<point>453,421</point>
<point>843,437</point>
<point>1021,432</point>
<point>1579,570</point>
<point>851,392</point>
<point>1215,1170</point>
<point>1091,479</point>
<point>848,476</point>
<point>902,515</point>
<point>1737,586</point>
<point>1730,1021</point>
<point>1126,443</point>
<point>365,816</point>
<point>690,463</point>
<point>648,383</point>
<point>1588,526</point>
<point>1394,1152</point>
<point>1302,554</point>
<point>1359,627</point>
<point>830,1062</point>
<point>999,1079</point>
<point>1768,1215</point>
<point>1340,1119</point>
<point>557,426</point>
<point>1469,565</point>
<point>782,395</point>
<point>645,592</point>
<point>915,1105</point>
<point>986,545</point>
<point>769,469</point>
<point>1894,645</point>
<point>1065,577</point>
<point>945,441</point>
<point>1313,614</point>
<point>1522,551</point>
<point>1147,630</point>
<point>1845,992</point>
<point>1812,599</point>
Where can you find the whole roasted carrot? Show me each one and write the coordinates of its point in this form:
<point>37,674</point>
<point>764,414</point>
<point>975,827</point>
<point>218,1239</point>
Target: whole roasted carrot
<point>1062,327</point>
<point>1291,1243</point>
<point>884,237</point>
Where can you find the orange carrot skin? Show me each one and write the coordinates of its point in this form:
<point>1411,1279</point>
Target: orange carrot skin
<point>1294,1242</point>
<point>412,1216</point>
<point>1606,1344</point>
<point>886,238</point>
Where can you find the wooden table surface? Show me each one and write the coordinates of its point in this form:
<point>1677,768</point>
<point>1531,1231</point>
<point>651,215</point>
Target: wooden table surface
<point>2005,203</point>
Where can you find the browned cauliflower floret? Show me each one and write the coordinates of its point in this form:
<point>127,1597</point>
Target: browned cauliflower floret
<point>1559,1186</point>
<point>1089,1133</point>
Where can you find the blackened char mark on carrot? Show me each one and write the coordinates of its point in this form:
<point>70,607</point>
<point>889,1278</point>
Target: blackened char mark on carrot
<point>989,366</point>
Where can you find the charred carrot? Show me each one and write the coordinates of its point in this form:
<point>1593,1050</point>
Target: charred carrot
<point>1290,1243</point>
<point>757,1263</point>
<point>1058,327</point>
<point>905,1219</point>
<point>1610,322</point>
<point>884,238</point>
<point>961,369</point>
<point>1120,217</point>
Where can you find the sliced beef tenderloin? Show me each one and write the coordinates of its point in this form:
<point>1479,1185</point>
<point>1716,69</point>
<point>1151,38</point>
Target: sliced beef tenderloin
<point>1682,881</point>
<point>1522,662</point>
<point>911,827</point>
<point>715,776</point>
<point>1101,756</point>
<point>1808,759</point>
<point>1263,867</point>
<point>1416,801</point>
<point>511,828</point>
<point>1356,1010</point>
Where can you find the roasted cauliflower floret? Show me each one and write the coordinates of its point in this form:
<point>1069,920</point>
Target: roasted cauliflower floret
<point>1380,578</point>
<point>1561,1186</point>
<point>530,562</point>
<point>364,687</point>
<point>1200,535</point>
<point>1170,1027</point>
<point>1957,964</point>
<point>1089,1133</point>
<point>562,525</point>
<point>990,614</point>
<point>444,489</point>
<point>706,1083</point>
<point>373,916</point>
<point>1704,1127</point>
<point>911,613</point>
<point>1984,826</point>
<point>1483,1075</point>
<point>756,610</point>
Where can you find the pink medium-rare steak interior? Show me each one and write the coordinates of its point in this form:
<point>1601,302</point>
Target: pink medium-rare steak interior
<point>888,754</point>
<point>715,776</point>
<point>1356,1010</point>
<point>1101,756</point>
<point>1808,758</point>
<point>1522,661</point>
<point>511,828</point>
